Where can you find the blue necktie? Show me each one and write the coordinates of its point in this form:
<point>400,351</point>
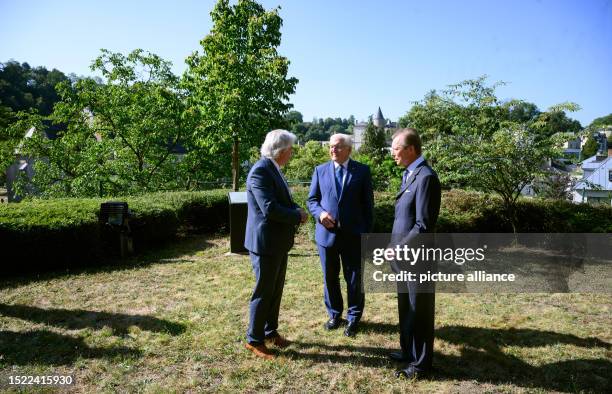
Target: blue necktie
<point>339,175</point>
<point>404,177</point>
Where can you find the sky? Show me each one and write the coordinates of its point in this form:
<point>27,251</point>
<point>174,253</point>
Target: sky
<point>353,56</point>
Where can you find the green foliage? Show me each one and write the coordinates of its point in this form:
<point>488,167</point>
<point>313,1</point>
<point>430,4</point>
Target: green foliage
<point>374,143</point>
<point>601,122</point>
<point>386,174</point>
<point>505,163</point>
<point>590,147</point>
<point>120,135</point>
<point>304,160</point>
<point>473,139</point>
<point>319,129</point>
<point>238,84</point>
<point>293,118</point>
<point>32,230</point>
<point>23,89</point>
<point>472,212</point>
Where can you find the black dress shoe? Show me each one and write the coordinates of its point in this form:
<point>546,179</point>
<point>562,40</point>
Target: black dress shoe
<point>332,324</point>
<point>410,373</point>
<point>398,356</point>
<point>351,329</point>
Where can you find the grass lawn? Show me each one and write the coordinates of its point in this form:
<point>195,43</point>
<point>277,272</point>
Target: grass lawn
<point>175,320</point>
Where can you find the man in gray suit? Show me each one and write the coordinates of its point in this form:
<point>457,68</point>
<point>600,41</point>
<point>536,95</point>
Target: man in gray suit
<point>271,223</point>
<point>416,211</point>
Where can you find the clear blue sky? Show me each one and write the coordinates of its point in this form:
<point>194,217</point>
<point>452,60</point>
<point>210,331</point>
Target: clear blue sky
<point>353,56</point>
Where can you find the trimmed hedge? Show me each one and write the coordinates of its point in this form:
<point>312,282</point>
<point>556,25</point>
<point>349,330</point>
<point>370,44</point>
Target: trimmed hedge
<point>44,234</point>
<point>65,232</point>
<point>471,212</point>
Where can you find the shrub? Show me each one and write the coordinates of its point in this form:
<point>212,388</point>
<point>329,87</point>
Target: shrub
<point>65,232</point>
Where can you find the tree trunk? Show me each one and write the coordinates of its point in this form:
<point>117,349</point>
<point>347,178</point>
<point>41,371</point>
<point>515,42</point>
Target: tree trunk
<point>235,167</point>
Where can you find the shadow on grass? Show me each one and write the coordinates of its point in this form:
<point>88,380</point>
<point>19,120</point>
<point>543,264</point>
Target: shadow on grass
<point>366,327</point>
<point>169,252</point>
<point>324,353</point>
<point>484,358</point>
<point>75,319</point>
<point>49,348</point>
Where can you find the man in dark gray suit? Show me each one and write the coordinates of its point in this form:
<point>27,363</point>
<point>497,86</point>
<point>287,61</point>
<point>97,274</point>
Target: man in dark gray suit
<point>271,223</point>
<point>416,211</point>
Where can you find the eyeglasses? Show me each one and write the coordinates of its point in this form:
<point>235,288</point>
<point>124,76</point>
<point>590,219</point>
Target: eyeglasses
<point>337,147</point>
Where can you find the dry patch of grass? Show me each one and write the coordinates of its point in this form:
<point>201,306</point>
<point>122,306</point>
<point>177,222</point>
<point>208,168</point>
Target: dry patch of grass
<point>175,320</point>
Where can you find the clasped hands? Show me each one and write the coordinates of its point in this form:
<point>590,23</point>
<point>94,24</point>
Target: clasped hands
<point>327,220</point>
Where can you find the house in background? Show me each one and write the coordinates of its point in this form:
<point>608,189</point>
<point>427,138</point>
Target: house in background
<point>23,165</point>
<point>359,129</point>
<point>595,187</point>
<point>573,148</point>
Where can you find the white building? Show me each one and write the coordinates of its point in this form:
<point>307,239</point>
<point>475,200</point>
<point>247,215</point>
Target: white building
<point>595,187</point>
<point>359,129</point>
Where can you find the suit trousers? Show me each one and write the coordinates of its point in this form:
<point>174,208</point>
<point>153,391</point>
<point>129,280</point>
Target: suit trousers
<point>265,302</point>
<point>346,249</point>
<point>416,320</point>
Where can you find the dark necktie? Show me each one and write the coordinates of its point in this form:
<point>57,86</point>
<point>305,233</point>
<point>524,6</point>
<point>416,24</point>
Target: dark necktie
<point>339,175</point>
<point>405,177</point>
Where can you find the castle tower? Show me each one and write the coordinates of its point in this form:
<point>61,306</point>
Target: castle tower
<point>379,119</point>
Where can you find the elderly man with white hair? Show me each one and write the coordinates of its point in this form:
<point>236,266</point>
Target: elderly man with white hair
<point>272,220</point>
<point>341,200</point>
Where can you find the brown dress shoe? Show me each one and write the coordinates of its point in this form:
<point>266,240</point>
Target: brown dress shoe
<point>260,351</point>
<point>279,341</point>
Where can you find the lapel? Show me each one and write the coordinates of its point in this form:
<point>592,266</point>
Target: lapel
<point>411,179</point>
<point>279,179</point>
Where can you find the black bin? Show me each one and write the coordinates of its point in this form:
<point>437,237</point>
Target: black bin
<point>238,217</point>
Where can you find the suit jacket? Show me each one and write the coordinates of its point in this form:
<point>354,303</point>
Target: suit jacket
<point>417,205</point>
<point>353,208</point>
<point>272,215</point>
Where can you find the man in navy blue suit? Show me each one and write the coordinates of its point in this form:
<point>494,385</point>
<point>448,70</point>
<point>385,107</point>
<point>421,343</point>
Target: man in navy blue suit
<point>341,201</point>
<point>272,220</point>
<point>416,211</point>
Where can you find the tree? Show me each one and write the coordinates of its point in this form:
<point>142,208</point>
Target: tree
<point>475,140</point>
<point>293,118</point>
<point>556,186</point>
<point>374,143</point>
<point>590,147</point>
<point>23,88</point>
<point>120,136</point>
<point>304,161</point>
<point>554,122</point>
<point>239,83</point>
<point>505,163</point>
<point>523,112</point>
<point>601,122</point>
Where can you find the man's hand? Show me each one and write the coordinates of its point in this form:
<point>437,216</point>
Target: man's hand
<point>303,216</point>
<point>327,220</point>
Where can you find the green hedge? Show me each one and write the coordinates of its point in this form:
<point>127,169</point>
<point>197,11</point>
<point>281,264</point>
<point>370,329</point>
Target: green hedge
<point>56,233</point>
<point>43,234</point>
<point>471,212</point>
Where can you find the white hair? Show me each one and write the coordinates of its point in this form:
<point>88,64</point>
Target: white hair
<point>346,139</point>
<point>277,141</point>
